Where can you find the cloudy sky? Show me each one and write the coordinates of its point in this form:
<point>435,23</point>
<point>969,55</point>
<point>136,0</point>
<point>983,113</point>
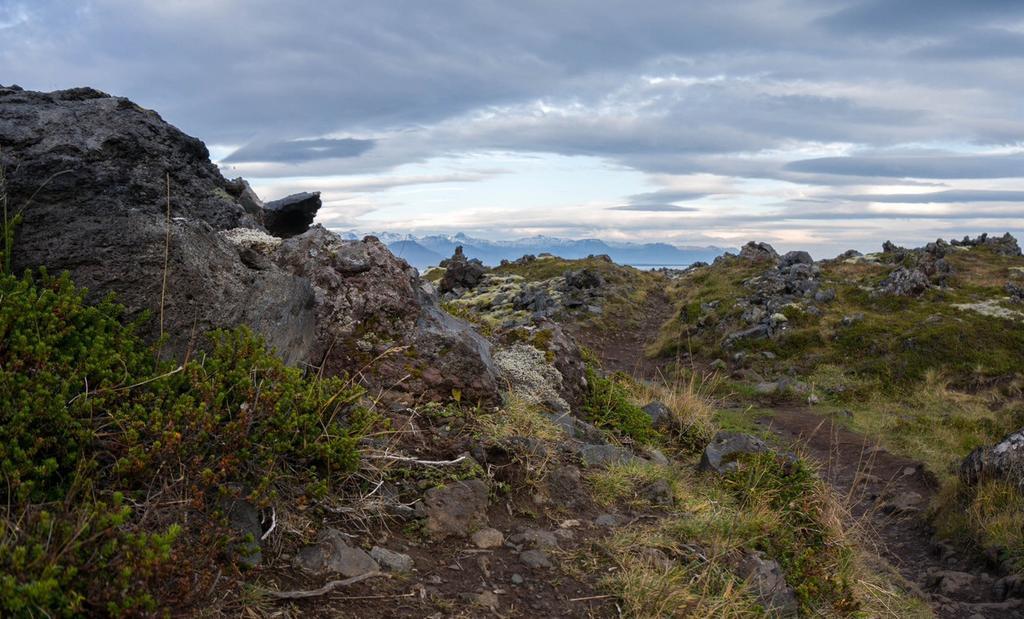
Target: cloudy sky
<point>806,123</point>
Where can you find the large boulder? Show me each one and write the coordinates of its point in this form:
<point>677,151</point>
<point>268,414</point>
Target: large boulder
<point>91,175</point>
<point>291,215</point>
<point>1004,460</point>
<point>721,453</point>
<point>375,316</point>
<point>904,282</point>
<point>759,252</point>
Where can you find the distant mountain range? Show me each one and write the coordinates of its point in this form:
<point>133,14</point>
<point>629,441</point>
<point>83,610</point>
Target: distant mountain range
<point>426,251</point>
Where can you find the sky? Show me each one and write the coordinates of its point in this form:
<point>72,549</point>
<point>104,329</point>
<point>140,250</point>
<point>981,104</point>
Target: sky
<point>804,123</point>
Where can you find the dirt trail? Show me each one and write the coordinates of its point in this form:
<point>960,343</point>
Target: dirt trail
<point>623,349</point>
<point>887,494</point>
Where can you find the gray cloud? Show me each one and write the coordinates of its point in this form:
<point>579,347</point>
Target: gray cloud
<point>296,151</point>
<point>940,197</point>
<point>660,201</point>
<point>945,166</point>
<point>755,91</point>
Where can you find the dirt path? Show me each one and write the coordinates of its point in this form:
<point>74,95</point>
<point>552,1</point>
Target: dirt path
<point>623,349</point>
<point>887,494</point>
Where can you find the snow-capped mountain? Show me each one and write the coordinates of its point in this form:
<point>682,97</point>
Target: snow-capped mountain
<point>425,251</point>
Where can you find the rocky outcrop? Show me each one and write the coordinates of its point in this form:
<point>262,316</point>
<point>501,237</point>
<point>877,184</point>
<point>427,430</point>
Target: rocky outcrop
<point>759,252</point>
<point>1005,245</point>
<point>291,215</point>
<point>374,315</point>
<point>92,174</point>
<point>1004,460</point>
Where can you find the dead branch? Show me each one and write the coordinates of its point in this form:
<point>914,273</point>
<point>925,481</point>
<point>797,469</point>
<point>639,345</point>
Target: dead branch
<point>324,590</point>
<point>417,461</point>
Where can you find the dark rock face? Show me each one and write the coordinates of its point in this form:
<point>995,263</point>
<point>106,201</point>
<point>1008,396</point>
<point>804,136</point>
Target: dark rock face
<point>374,314</point>
<point>1004,460</point>
<point>795,257</point>
<point>291,215</point>
<point>460,273</point>
<point>568,360</point>
<point>583,279</point>
<point>90,173</point>
<point>759,252</point>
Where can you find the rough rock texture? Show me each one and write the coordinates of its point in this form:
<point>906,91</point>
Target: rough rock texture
<point>795,257</point>
<point>721,453</point>
<point>332,554</point>
<point>394,561</point>
<point>904,282</point>
<point>567,359</point>
<point>90,173</point>
<point>1004,460</point>
<point>658,412</point>
<point>759,252</point>
<point>769,583</point>
<point>455,509</point>
<point>291,215</point>
<point>460,273</point>
<point>375,315</point>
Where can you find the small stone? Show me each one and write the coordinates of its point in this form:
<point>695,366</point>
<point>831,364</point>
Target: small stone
<point>570,524</point>
<point>535,558</point>
<point>908,471</point>
<point>487,599</point>
<point>517,579</point>
<point>535,537</point>
<point>456,508</point>
<point>608,520</point>
<point>488,538</point>
<point>332,553</point>
<point>394,561</point>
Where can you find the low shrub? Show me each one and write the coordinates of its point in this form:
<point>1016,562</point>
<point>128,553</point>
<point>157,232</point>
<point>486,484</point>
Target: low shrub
<point>608,405</point>
<point>94,426</point>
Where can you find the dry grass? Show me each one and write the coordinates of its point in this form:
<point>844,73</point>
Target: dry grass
<point>691,402</point>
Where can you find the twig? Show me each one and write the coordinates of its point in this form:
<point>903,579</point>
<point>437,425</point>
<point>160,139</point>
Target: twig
<point>273,523</point>
<point>591,597</point>
<point>324,590</point>
<point>415,461</point>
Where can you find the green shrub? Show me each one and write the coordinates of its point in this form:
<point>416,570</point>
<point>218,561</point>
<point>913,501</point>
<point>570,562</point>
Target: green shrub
<point>608,405</point>
<point>92,424</point>
<point>807,539</point>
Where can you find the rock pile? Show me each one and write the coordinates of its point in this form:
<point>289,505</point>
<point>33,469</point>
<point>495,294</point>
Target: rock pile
<point>794,282</point>
<point>461,274</point>
<point>1005,245</point>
